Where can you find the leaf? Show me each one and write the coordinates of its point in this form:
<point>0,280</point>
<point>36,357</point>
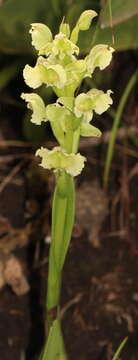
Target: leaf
<point>125,35</point>
<point>54,349</point>
<point>119,350</point>
<point>122,10</point>
<point>15,19</point>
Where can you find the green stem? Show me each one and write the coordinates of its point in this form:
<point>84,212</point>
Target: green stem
<point>76,138</point>
<point>69,141</point>
<point>62,223</point>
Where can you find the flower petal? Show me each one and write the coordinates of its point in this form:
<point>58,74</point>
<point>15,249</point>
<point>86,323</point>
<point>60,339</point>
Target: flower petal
<point>36,104</point>
<point>63,46</point>
<point>100,56</point>
<point>56,76</point>
<point>32,76</point>
<point>83,23</point>
<point>41,35</point>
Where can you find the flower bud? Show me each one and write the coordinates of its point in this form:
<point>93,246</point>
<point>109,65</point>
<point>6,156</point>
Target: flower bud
<point>65,29</point>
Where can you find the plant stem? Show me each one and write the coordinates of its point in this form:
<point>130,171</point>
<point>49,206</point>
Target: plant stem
<point>62,223</point>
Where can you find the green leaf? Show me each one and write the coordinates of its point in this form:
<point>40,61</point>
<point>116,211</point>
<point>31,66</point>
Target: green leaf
<point>122,10</point>
<point>89,130</point>
<point>54,349</point>
<point>110,151</point>
<point>15,19</point>
<point>125,34</point>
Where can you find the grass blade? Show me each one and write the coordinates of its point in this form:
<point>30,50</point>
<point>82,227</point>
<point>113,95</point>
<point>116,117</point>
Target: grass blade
<point>118,352</point>
<point>115,126</point>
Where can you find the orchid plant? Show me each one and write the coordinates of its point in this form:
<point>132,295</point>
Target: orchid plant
<point>58,65</point>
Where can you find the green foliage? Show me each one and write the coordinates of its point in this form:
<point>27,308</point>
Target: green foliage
<point>116,123</point>
<point>120,348</point>
<point>122,10</point>
<point>125,24</point>
<point>16,17</point>
<point>54,349</point>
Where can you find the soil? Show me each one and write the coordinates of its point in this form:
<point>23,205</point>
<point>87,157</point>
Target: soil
<point>99,300</point>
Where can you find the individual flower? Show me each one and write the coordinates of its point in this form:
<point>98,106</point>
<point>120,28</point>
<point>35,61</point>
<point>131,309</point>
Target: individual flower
<point>62,46</point>
<point>99,56</point>
<point>94,100</point>
<point>101,101</point>
<point>36,104</point>
<point>58,159</point>
<point>44,43</point>
<point>43,73</point>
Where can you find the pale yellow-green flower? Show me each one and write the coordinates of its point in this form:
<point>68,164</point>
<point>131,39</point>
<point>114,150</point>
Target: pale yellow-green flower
<point>43,73</point>
<point>101,101</point>
<point>62,46</point>
<point>41,35</point>
<point>94,100</point>
<point>99,56</point>
<point>36,104</point>
<point>58,159</point>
